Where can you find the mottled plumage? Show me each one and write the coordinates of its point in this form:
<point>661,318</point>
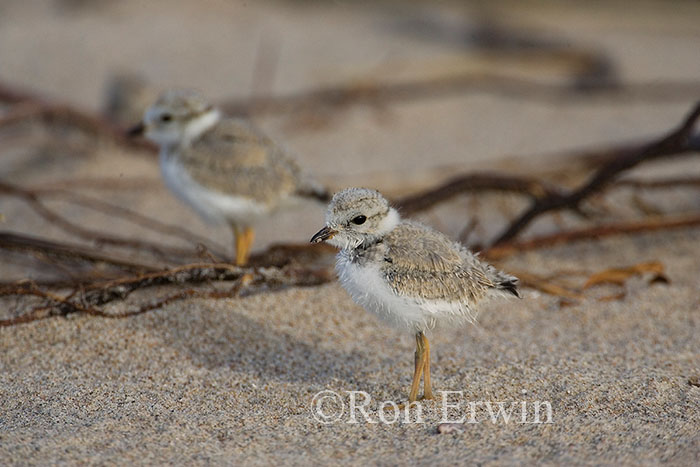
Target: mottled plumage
<point>223,168</point>
<point>428,271</point>
<point>235,159</point>
<point>406,273</point>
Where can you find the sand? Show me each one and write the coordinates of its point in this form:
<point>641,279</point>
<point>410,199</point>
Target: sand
<point>233,381</point>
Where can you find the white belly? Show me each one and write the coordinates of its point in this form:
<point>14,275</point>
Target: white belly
<point>213,206</point>
<point>367,287</point>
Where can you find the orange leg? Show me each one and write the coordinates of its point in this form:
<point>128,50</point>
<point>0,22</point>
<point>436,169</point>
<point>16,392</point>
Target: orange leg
<point>243,239</point>
<point>427,388</point>
<point>249,235</point>
<point>419,367</point>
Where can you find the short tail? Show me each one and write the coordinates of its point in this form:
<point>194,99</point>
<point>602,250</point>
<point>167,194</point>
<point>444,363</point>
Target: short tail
<point>503,282</point>
<point>510,285</point>
<point>314,190</point>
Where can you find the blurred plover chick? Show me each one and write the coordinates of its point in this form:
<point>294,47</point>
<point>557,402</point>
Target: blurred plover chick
<point>404,272</point>
<point>224,168</point>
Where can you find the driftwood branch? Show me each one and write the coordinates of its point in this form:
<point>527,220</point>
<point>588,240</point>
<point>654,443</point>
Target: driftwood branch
<point>35,109</point>
<point>121,212</point>
<point>62,251</point>
<point>33,200</point>
<point>533,188</point>
<point>281,266</point>
<point>382,94</point>
<point>26,105</point>
<point>664,183</point>
<point>90,298</point>
<point>596,232</point>
<point>611,163</point>
<point>678,141</point>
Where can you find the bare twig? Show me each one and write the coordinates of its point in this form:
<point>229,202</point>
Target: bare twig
<point>131,216</point>
<point>531,187</point>
<point>545,285</point>
<point>679,140</point>
<point>379,94</point>
<point>619,228</point>
<point>89,298</point>
<point>33,108</point>
<point>98,237</point>
<point>26,105</point>
<point>19,242</point>
<point>656,183</point>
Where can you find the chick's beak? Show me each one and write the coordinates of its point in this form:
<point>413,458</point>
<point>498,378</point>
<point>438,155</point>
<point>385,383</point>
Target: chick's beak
<point>136,130</point>
<point>323,235</point>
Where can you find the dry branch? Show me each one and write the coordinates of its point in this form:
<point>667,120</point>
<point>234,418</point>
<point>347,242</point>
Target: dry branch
<point>663,183</point>
<point>599,231</point>
<point>619,275</point>
<point>63,251</point>
<point>91,297</point>
<point>382,94</point>
<point>35,109</point>
<point>278,266</point>
<point>678,141</point>
<point>545,285</point>
<point>531,187</point>
<point>100,238</point>
<point>25,105</point>
<point>129,215</point>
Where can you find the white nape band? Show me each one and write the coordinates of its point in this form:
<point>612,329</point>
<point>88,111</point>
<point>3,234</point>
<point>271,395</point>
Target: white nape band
<point>201,124</point>
<point>389,222</point>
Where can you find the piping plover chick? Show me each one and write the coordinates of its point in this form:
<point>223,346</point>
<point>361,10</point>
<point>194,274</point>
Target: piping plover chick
<point>224,168</point>
<point>407,274</point>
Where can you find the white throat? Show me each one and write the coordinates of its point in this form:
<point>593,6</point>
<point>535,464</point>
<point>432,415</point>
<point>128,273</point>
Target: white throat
<point>201,124</point>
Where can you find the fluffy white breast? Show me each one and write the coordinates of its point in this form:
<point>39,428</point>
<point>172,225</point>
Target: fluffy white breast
<point>368,287</point>
<point>213,206</point>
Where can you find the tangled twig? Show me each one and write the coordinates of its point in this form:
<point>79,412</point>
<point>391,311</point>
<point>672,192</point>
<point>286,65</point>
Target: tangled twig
<point>63,251</point>
<point>90,298</point>
<point>381,94</point>
<point>33,200</point>
<point>678,141</point>
<point>533,188</point>
<point>596,232</point>
<point>134,217</point>
<point>279,266</point>
<point>33,108</point>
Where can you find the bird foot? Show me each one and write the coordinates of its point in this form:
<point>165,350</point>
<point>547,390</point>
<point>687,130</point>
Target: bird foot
<point>246,279</point>
<point>403,405</point>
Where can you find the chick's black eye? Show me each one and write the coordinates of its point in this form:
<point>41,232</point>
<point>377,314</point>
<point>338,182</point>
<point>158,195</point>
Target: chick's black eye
<point>166,117</point>
<point>359,220</point>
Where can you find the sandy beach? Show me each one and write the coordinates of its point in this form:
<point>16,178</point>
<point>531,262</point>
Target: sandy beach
<point>233,381</point>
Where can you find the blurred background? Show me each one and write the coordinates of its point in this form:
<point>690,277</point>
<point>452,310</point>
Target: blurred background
<point>399,96</point>
<point>392,95</point>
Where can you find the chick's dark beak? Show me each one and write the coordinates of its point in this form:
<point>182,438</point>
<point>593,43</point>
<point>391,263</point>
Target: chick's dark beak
<point>323,235</point>
<point>136,130</point>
